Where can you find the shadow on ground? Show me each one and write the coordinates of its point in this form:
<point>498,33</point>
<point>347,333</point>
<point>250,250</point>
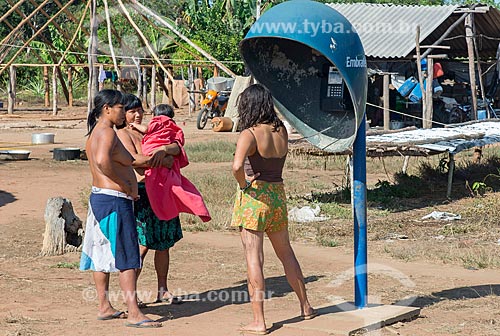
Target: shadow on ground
<point>195,304</point>
<point>460,293</point>
<point>6,198</point>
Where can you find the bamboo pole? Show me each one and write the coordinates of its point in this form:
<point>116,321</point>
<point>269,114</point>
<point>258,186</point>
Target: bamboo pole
<point>110,40</point>
<point>448,31</point>
<point>191,89</point>
<point>13,8</point>
<point>472,72</point>
<point>54,90</point>
<point>480,71</point>
<point>143,9</point>
<point>170,38</point>
<point>91,56</point>
<point>58,27</point>
<point>141,35</point>
<point>170,86</point>
<point>22,22</point>
<point>11,98</point>
<point>145,87</point>
<point>46,85</point>
<point>71,16</point>
<point>76,33</point>
<point>428,94</point>
<point>34,36</point>
<point>51,53</point>
<point>70,86</point>
<point>153,86</point>
<point>420,73</point>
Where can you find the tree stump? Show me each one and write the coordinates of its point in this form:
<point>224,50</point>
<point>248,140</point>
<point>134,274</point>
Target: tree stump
<point>477,155</point>
<point>63,229</point>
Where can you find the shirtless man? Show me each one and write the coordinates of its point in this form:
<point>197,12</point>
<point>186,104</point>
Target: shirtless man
<point>110,242</point>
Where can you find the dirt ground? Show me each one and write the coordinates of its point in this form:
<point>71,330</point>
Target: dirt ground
<point>39,298</point>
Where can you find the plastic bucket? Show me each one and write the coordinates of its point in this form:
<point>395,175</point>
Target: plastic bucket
<point>42,138</point>
<point>217,83</point>
<point>64,154</point>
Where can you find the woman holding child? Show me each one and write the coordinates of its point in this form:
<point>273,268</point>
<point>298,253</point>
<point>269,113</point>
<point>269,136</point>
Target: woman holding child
<point>154,234</point>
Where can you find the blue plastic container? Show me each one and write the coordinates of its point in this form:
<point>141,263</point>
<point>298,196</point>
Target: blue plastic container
<point>416,94</point>
<point>407,86</point>
<point>481,114</point>
<point>423,62</point>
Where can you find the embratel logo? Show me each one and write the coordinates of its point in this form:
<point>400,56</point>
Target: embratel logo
<point>355,62</point>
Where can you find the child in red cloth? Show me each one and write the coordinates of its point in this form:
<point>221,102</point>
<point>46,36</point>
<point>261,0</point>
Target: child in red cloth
<point>169,192</point>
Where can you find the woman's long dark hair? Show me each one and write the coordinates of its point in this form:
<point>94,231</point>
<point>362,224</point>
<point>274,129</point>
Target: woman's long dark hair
<point>255,106</point>
<point>104,97</point>
<point>129,102</point>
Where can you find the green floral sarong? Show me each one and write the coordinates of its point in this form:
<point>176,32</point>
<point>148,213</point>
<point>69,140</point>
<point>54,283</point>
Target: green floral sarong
<point>154,233</point>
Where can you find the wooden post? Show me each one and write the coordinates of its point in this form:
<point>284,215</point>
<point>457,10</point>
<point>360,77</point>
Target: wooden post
<point>472,73</point>
<point>11,90</point>
<point>145,87</point>
<point>200,76</point>
<point>91,55</point>
<point>216,71</point>
<point>119,82</point>
<point>166,93</point>
<point>428,94</point>
<point>191,89</point>
<point>451,169</point>
<point>70,86</point>
<point>420,74</point>
<point>153,86</point>
<point>406,161</point>
<point>139,82</point>
<point>171,88</point>
<point>54,90</point>
<point>46,85</point>
<point>385,94</point>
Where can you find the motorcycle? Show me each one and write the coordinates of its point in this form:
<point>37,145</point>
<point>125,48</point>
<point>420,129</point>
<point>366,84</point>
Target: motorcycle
<point>213,105</point>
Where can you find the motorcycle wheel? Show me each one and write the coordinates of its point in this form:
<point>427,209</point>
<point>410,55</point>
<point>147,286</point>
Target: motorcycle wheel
<point>202,118</point>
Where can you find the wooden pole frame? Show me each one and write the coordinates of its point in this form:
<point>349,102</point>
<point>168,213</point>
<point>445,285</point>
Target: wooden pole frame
<point>144,39</point>
<point>11,94</point>
<point>110,40</point>
<point>140,8</point>
<point>472,72</point>
<point>420,73</point>
<point>76,33</point>
<point>33,36</point>
<point>23,21</point>
<point>90,56</point>
<point>13,8</point>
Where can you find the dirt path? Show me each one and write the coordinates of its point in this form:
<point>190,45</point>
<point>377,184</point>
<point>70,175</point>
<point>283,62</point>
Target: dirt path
<point>38,298</point>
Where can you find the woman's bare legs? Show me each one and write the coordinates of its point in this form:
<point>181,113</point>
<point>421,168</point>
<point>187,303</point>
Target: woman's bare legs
<point>162,263</point>
<point>281,244</point>
<point>253,248</point>
<point>143,251</point>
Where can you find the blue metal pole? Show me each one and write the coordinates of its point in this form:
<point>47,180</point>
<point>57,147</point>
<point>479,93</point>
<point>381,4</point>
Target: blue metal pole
<point>359,200</point>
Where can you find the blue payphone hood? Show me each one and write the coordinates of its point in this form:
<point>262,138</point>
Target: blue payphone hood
<point>286,49</point>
